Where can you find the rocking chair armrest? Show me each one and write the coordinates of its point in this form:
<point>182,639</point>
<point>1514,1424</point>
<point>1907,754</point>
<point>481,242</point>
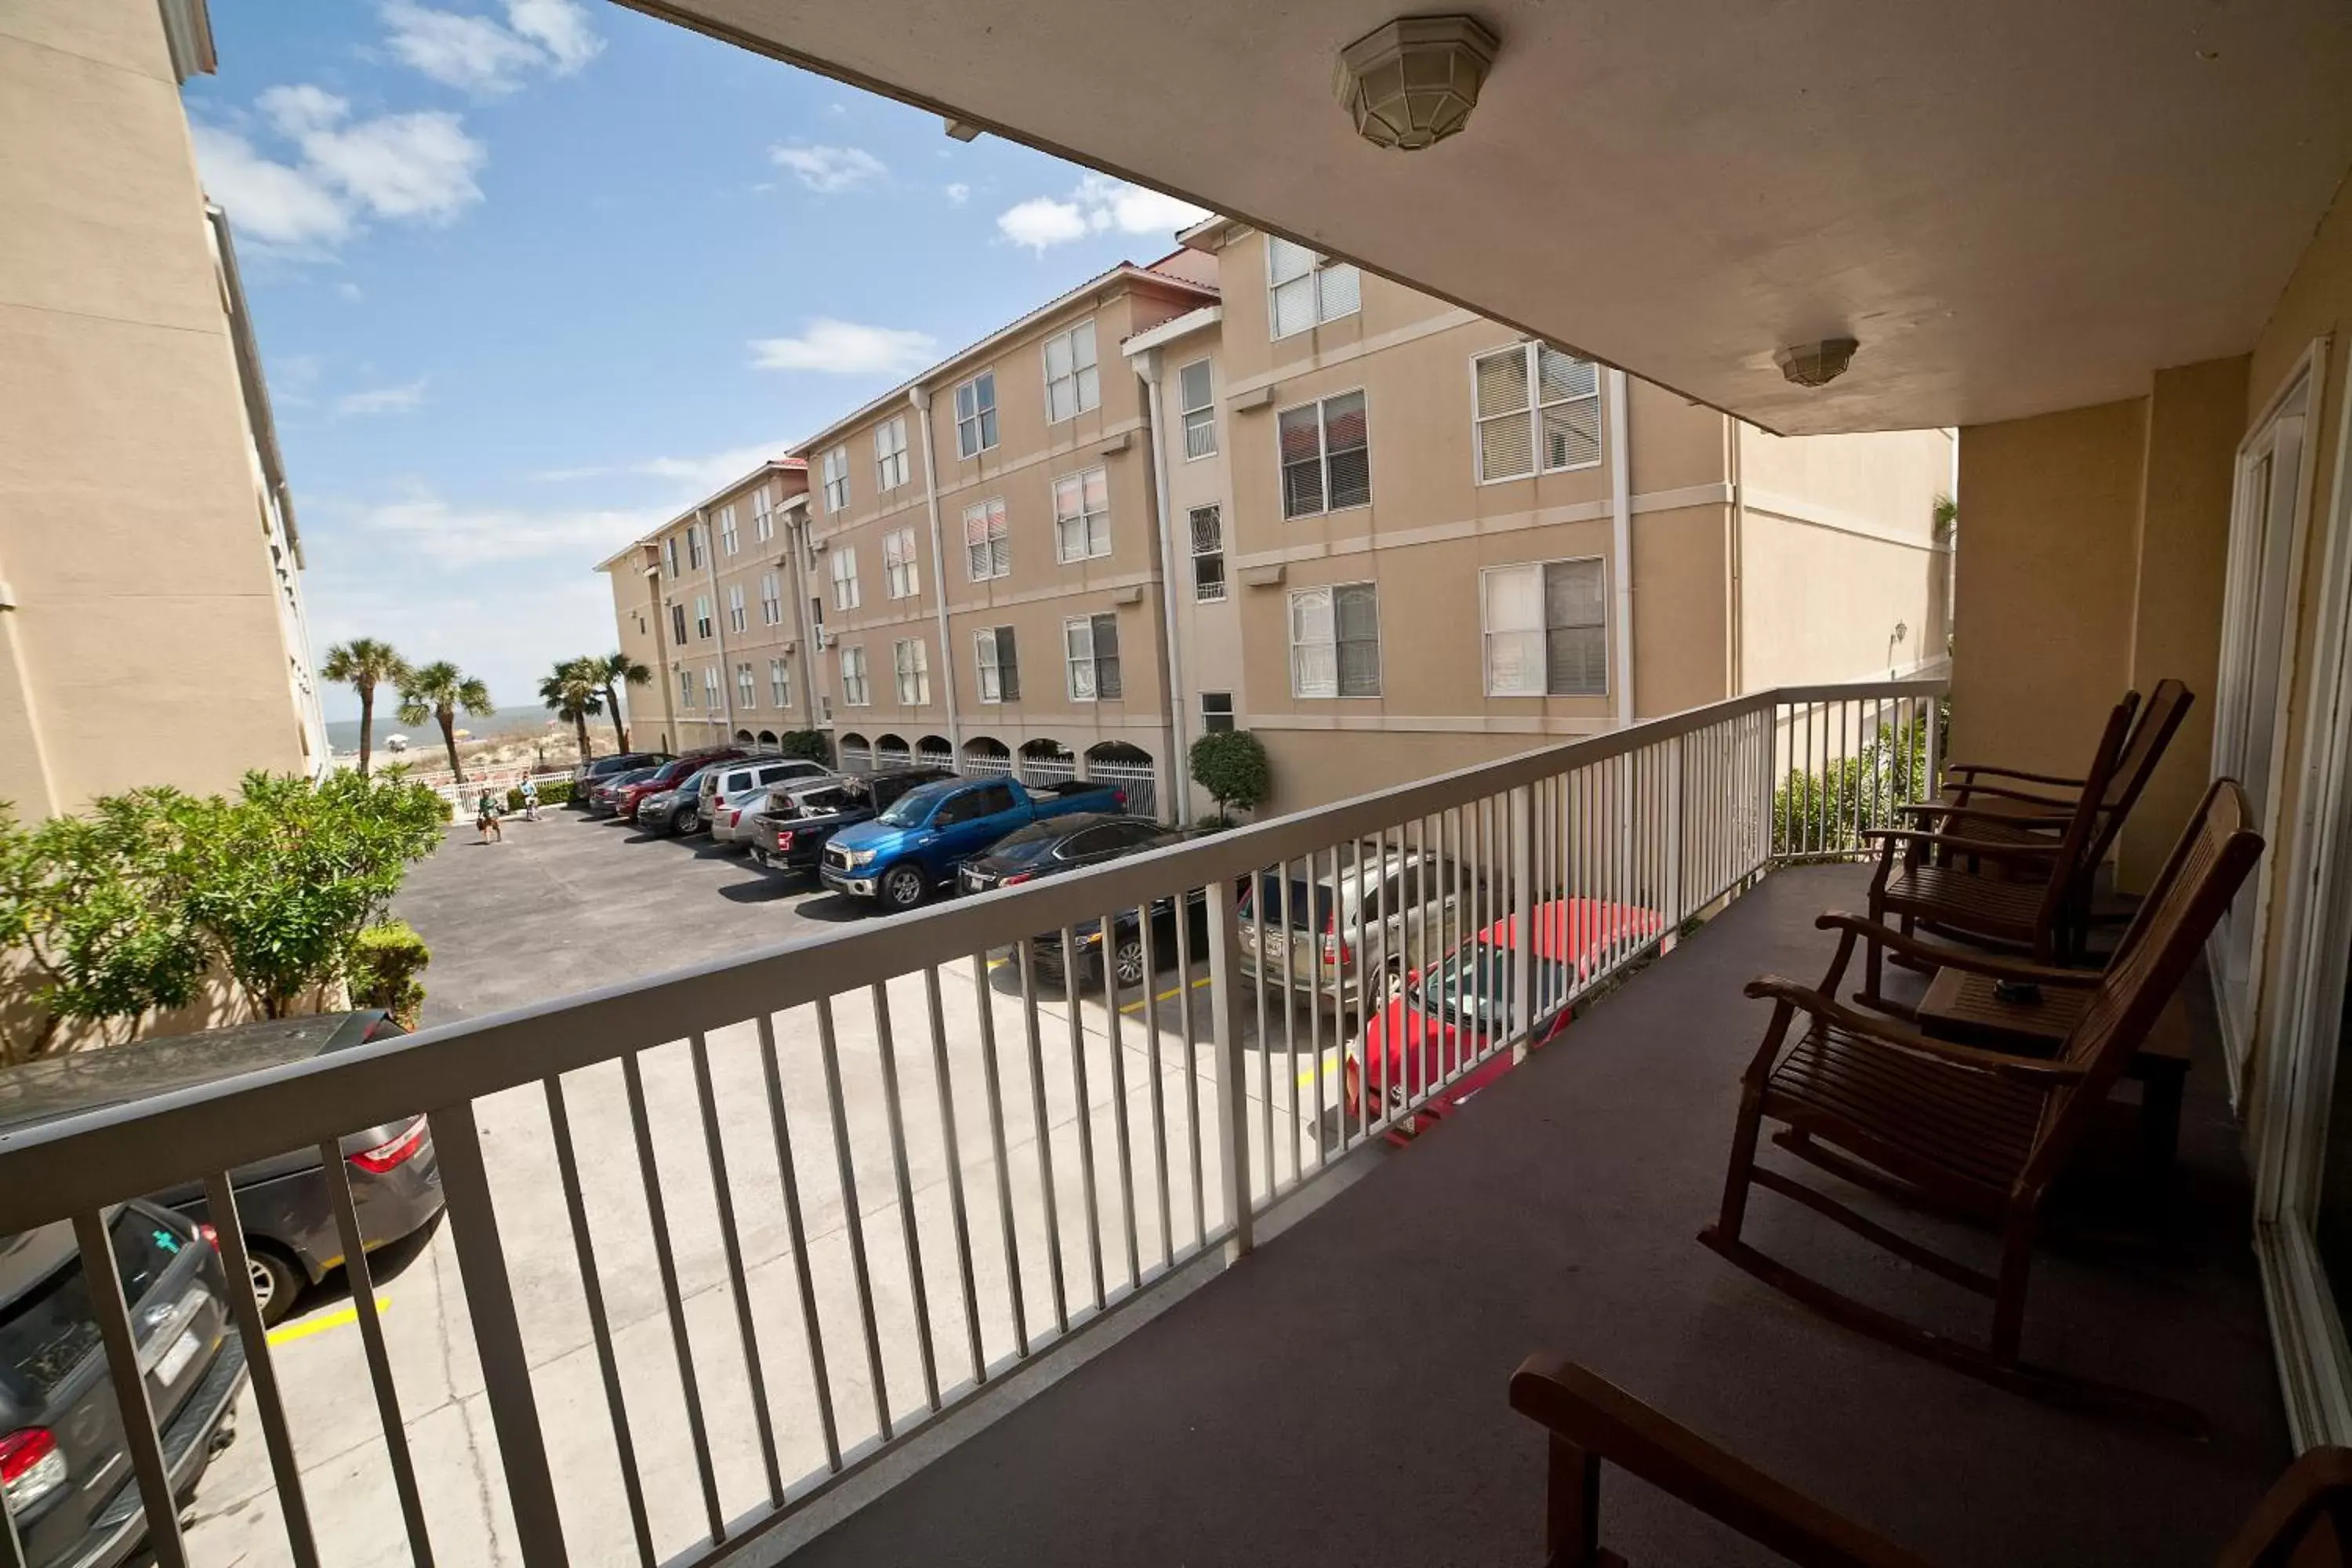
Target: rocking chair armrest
<point>1880,1031</point>
<point>1975,962</point>
<point>1971,769</point>
<point>1986,849</point>
<point>1977,814</point>
<point>1595,1421</point>
<point>1974,787</point>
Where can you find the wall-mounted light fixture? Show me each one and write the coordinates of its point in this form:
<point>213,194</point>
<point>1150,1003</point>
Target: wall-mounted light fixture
<point>1414,82</point>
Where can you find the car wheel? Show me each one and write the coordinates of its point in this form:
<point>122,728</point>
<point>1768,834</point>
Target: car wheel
<point>904,888</point>
<point>276,1282</point>
<point>1128,961</point>
<point>690,822</point>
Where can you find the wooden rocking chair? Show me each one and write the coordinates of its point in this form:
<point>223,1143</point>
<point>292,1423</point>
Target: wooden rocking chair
<point>1964,1131</point>
<point>2303,1521</point>
<point>1995,793</point>
<point>1990,880</point>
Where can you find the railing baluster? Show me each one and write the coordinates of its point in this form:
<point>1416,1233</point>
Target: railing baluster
<point>1086,1110</point>
<point>1232,1093</point>
<point>731,1246</point>
<point>104,1282</point>
<point>804,1278</point>
<point>1264,1050</point>
<point>1157,1089</point>
<point>665,1263</point>
<point>379,1359</point>
<point>894,1116</point>
<point>952,1147</point>
<point>861,1273</point>
<point>1121,1133</point>
<point>1024,954</point>
<point>220,1209</point>
<point>997,1145</point>
<point>1289,1018</point>
<point>1192,1139</point>
<point>1522,946</point>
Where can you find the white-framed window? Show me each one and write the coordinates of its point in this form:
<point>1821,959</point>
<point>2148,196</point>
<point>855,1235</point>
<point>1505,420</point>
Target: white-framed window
<point>898,575</point>
<point>686,689</point>
<point>1304,289</point>
<point>1326,457</point>
<point>1072,385</point>
<point>1208,554</point>
<point>729,540</point>
<point>702,616</point>
<point>845,576</point>
<point>997,661</point>
<point>1082,514</point>
<point>890,466</point>
<point>836,479</point>
<point>747,693</point>
<point>1546,628</point>
<point>987,542</point>
<point>1090,644</point>
<point>975,404</point>
<point>1216,713</point>
<point>711,685</point>
<point>854,691</point>
<point>737,621</point>
<point>1194,398</point>
<point>1534,408</point>
<point>677,623</point>
<point>669,557</point>
<point>1335,641</point>
<point>694,545</point>
<point>763,516</point>
<point>779,683</point>
<point>772,600</point>
<point>910,659</point>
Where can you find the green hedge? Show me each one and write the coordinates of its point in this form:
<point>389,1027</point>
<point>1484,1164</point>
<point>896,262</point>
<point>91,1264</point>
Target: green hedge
<point>551,791</point>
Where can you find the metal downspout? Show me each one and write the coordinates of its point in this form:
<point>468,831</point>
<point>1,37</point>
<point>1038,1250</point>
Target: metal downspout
<point>718,626</point>
<point>920,396</point>
<point>1621,507</point>
<point>1147,366</point>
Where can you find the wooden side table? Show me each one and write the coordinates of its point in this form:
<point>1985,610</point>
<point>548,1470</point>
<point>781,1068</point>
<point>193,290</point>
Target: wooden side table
<point>1962,1007</point>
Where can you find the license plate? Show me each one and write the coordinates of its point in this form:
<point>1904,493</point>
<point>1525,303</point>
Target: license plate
<point>1277,944</point>
<point>175,1359</point>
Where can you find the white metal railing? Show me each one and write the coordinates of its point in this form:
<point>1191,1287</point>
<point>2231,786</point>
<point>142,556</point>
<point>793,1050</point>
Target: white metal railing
<point>860,1178</point>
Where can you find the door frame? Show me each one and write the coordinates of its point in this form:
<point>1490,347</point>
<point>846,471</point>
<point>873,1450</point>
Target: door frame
<point>2240,600</point>
<point>2311,885</point>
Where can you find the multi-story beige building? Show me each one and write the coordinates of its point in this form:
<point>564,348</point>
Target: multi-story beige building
<point>150,611</point>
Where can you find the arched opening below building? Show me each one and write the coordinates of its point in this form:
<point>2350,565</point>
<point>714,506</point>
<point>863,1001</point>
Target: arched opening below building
<point>1047,763</point>
<point>767,736</point>
<point>742,737</point>
<point>934,751</point>
<point>892,751</point>
<point>985,755</point>
<point>856,754</point>
<point>1128,768</point>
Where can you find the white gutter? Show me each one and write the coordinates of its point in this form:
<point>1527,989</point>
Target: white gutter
<point>1155,449</point>
<point>920,396</point>
<point>717,620</point>
<point>794,537</point>
<point>1621,506</point>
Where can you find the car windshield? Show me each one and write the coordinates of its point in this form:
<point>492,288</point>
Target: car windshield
<point>913,808</point>
<point>1306,909</point>
<point>1476,982</point>
<point>1030,842</point>
<point>49,1330</point>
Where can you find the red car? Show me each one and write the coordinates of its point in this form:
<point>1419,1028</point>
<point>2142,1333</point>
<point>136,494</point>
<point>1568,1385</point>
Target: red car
<point>669,776</point>
<point>1438,1021</point>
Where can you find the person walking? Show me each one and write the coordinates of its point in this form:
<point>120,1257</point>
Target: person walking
<point>485,820</point>
<point>530,800</point>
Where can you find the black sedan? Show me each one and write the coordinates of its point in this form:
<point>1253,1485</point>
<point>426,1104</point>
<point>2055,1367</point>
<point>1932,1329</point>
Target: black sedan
<point>1060,845</point>
<point>282,1202</point>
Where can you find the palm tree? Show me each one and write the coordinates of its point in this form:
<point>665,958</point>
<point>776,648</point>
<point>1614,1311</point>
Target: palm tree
<point>438,691</point>
<point>363,664</point>
<point>612,672</point>
<point>573,691</point>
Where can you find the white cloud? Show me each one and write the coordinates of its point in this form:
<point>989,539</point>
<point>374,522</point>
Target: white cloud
<point>481,55</point>
<point>958,193</point>
<point>846,348</point>
<point>1097,205</point>
<point>401,399</point>
<point>830,170</point>
<point>276,205</point>
<point>507,628</point>
<point>697,476</point>
<point>446,535</point>
<point>349,292</point>
<point>416,167</point>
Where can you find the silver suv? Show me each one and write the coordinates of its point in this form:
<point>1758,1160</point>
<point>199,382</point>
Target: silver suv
<point>1385,910</point>
<point>733,793</point>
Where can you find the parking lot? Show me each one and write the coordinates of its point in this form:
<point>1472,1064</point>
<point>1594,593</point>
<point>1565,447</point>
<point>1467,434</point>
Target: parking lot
<point>569,904</point>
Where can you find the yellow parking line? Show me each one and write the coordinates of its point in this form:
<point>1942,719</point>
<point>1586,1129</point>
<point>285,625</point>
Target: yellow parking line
<point>1168,995</point>
<point>288,1333</point>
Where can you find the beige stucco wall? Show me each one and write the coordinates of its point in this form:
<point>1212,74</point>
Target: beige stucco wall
<point>128,517</point>
<point>2041,634</point>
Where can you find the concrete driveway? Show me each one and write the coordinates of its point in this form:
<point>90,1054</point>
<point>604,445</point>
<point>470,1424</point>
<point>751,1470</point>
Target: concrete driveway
<point>567,904</point>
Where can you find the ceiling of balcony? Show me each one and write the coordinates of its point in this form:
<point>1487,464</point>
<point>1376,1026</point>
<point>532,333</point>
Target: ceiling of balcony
<point>2015,206</point>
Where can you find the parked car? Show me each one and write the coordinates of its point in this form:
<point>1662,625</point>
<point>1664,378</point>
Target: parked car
<point>916,845</point>
<point>604,799</point>
<point>675,812</point>
<point>668,777</point>
<point>1064,844</point>
<point>790,837</point>
<point>1440,1020</point>
<point>732,795</point>
<point>587,776</point>
<point>63,1469</point>
<point>282,1203</point>
<point>1383,908</point>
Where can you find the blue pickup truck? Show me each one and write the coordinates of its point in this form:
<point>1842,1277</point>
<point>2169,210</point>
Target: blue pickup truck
<point>916,845</point>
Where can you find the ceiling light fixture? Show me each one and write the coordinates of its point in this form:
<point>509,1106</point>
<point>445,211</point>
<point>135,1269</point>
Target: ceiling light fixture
<point>1414,81</point>
<point>1815,365</point>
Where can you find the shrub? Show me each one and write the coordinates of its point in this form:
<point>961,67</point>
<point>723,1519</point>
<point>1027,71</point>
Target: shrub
<point>1231,766</point>
<point>551,791</point>
<point>382,971</point>
<point>810,745</point>
<point>1213,822</point>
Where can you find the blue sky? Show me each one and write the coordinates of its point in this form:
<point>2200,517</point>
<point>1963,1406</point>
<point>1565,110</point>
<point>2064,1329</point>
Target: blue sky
<point>531,275</point>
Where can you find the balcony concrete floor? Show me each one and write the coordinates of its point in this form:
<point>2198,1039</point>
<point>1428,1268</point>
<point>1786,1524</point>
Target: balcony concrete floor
<point>1340,1395</point>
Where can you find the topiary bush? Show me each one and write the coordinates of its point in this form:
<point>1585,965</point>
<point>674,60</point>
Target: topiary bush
<point>382,971</point>
<point>1231,766</point>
